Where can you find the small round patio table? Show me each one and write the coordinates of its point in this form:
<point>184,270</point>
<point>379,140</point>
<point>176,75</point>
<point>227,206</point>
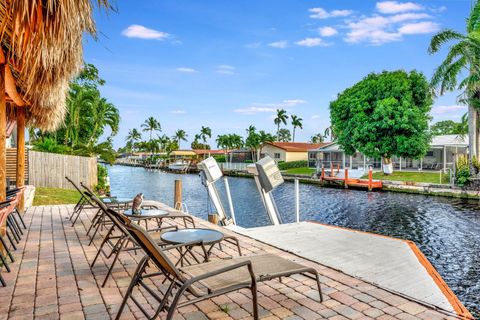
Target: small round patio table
<point>146,215</point>
<point>191,238</point>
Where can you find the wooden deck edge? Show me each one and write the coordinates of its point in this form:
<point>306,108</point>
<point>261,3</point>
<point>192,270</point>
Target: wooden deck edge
<point>456,304</point>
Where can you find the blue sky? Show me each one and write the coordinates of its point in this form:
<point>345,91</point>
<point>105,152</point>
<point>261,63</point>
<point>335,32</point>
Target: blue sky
<point>229,64</point>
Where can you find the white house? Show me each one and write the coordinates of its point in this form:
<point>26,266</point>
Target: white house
<point>442,154</point>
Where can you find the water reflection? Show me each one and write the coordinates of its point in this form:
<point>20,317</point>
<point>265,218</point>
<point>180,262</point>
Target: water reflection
<point>446,230</point>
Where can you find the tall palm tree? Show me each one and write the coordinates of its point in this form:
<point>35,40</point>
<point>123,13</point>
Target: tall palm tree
<point>151,125</point>
<point>205,133</point>
<point>263,138</point>
<point>80,101</point>
<point>280,118</point>
<point>179,136</point>
<point>317,138</point>
<point>223,143</point>
<point>104,114</point>
<point>133,137</point>
<point>296,123</point>
<point>284,135</point>
<point>462,60</point>
<point>234,142</point>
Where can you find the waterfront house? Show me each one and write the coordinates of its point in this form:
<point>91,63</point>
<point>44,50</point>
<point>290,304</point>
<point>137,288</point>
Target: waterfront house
<point>442,154</point>
<point>204,153</point>
<point>289,151</point>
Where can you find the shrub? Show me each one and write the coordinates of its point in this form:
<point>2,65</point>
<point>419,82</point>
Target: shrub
<point>292,164</point>
<point>462,172</point>
<point>248,161</point>
<point>220,158</point>
<point>102,174</point>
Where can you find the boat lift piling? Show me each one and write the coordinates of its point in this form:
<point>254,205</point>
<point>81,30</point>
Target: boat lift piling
<point>347,182</point>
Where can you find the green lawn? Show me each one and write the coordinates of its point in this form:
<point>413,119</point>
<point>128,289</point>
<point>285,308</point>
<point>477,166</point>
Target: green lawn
<point>425,177</point>
<point>304,170</point>
<point>52,196</point>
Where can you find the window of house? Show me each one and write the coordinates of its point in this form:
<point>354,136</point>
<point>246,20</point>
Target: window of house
<point>276,155</point>
<point>429,153</point>
<point>312,155</point>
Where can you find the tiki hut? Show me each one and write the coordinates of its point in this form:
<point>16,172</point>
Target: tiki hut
<point>41,51</point>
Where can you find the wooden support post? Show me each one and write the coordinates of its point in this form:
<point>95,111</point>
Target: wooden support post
<point>346,178</point>
<point>331,169</point>
<point>20,178</point>
<point>370,179</point>
<point>322,176</point>
<point>338,168</point>
<point>177,197</point>
<point>3,135</point>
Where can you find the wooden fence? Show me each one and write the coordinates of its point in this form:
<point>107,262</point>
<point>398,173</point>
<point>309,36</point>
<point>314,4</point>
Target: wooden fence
<point>12,165</point>
<point>49,170</point>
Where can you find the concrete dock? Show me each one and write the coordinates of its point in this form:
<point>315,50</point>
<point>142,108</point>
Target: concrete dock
<point>393,264</point>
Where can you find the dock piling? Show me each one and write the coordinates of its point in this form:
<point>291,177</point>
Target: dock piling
<point>177,196</point>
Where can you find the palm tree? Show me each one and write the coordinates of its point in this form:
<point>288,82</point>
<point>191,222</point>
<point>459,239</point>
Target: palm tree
<point>179,136</point>
<point>284,135</point>
<point>317,138</point>
<point>234,142</point>
<point>80,101</point>
<point>205,133</point>
<point>104,114</point>
<point>151,125</point>
<point>463,59</point>
<point>280,118</point>
<point>252,140</point>
<point>296,122</point>
<point>133,137</point>
<point>263,138</point>
<point>329,133</point>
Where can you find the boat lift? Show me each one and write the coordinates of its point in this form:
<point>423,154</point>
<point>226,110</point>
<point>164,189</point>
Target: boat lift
<point>267,177</point>
<point>211,173</point>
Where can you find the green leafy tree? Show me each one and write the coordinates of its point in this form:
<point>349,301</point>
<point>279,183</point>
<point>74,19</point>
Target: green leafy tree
<point>296,123</point>
<point>235,142</point>
<point>281,117</point>
<point>223,143</point>
<point>383,115</point>
<point>252,141</point>
<point>284,135</point>
<point>180,135</point>
<point>461,70</point>
<point>133,138</point>
<point>263,138</point>
<point>104,150</point>
<point>317,138</point>
<point>450,127</point>
<point>205,133</point>
<point>105,114</point>
<point>151,125</point>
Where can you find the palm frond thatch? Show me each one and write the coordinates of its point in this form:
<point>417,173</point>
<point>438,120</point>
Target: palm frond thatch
<point>42,42</point>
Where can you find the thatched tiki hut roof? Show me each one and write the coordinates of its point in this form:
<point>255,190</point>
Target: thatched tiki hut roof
<point>41,41</point>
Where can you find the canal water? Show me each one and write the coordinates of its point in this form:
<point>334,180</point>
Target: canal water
<point>447,230</point>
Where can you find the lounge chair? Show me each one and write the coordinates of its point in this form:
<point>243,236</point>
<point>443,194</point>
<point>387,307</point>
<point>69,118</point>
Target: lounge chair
<point>82,202</point>
<point>204,280</point>
<point>119,241</point>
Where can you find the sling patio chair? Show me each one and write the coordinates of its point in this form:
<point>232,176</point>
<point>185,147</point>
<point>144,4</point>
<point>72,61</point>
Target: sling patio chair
<point>82,202</point>
<point>117,238</point>
<point>205,280</point>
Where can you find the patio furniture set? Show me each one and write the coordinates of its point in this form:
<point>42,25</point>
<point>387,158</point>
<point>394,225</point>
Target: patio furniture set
<point>11,218</point>
<point>181,257</point>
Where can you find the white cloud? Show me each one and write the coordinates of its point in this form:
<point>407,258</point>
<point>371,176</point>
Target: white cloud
<point>315,116</point>
<point>279,44</point>
<point>186,70</point>
<point>254,110</point>
<point>378,29</point>
<point>312,42</point>
<point>448,109</point>
<point>389,7</point>
<point>225,69</point>
<point>269,107</point>
<point>177,111</point>
<point>327,31</point>
<point>141,32</point>
<point>320,13</point>
<point>419,28</point>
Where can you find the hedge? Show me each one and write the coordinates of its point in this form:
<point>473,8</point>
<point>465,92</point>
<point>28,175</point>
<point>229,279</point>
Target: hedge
<point>292,164</point>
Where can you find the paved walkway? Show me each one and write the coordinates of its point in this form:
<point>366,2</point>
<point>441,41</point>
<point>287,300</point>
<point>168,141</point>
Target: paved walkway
<point>51,279</point>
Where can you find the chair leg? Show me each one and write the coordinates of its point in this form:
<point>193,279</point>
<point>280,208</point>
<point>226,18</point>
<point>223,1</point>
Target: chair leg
<point>317,277</point>
<point>178,295</point>
<point>99,224</point>
<point>253,288</point>
<point>138,272</point>
<point>4,262</point>
<point>97,216</point>
<point>17,225</point>
<point>115,258</point>
<point>78,214</point>
<point>2,281</point>
<point>107,237</point>
<point>21,219</point>
<point>14,232</point>
<point>6,248</point>
<point>11,240</point>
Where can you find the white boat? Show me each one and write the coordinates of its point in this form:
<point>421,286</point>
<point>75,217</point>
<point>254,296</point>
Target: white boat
<point>179,165</point>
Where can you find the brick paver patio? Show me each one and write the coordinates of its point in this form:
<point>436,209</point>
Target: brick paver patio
<point>51,279</point>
